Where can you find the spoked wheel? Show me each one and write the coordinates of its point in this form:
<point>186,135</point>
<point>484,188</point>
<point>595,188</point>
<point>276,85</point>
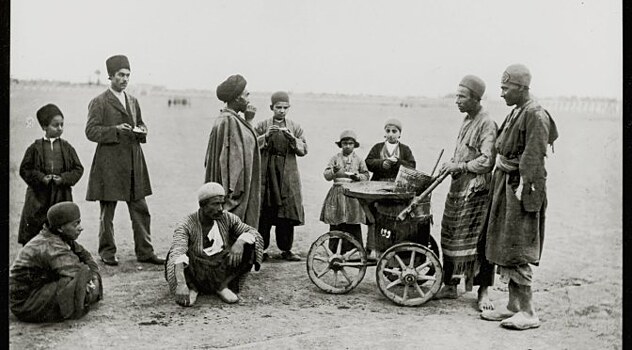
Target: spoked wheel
<point>336,262</point>
<point>409,274</point>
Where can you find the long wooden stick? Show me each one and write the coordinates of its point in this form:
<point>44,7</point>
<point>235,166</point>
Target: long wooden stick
<point>437,163</point>
<point>402,215</point>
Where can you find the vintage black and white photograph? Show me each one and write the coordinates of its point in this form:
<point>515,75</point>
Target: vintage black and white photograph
<point>281,174</point>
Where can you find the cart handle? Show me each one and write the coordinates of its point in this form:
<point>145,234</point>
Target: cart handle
<point>413,203</point>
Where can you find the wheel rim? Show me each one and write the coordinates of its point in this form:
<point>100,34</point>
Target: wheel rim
<point>336,271</point>
<point>409,274</point>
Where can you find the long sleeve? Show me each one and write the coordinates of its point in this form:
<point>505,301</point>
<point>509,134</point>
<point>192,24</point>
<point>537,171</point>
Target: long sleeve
<point>329,170</point>
<point>363,172</point>
<point>261,129</point>
<point>407,159</point>
<point>85,257</point>
<point>373,160</point>
<point>180,243</point>
<point>484,163</point>
<point>300,145</point>
<point>532,159</point>
<point>96,130</point>
<point>61,260</point>
<point>72,175</point>
<point>29,171</point>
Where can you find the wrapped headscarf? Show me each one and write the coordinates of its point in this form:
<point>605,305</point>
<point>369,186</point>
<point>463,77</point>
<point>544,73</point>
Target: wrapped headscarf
<point>231,88</point>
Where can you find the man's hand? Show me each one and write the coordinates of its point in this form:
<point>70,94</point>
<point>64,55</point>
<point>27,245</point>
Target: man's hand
<point>182,295</point>
<point>450,168</point>
<point>57,179</point>
<point>235,254</point>
<point>250,112</point>
<point>386,164</point>
<point>287,133</point>
<point>271,129</point>
<point>519,189</point>
<point>47,179</point>
<point>124,126</point>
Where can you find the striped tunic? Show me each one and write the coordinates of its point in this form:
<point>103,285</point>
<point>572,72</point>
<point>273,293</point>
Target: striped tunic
<point>188,237</point>
<point>467,202</point>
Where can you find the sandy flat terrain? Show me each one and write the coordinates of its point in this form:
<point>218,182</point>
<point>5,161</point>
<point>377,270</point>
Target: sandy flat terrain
<point>577,286</point>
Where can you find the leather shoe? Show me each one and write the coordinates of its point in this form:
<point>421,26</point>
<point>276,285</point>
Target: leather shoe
<point>110,261</point>
<point>153,260</point>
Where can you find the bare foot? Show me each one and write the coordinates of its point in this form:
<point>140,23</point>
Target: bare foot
<point>228,296</point>
<point>483,302</point>
<point>193,294</point>
<point>447,292</point>
<point>497,314</point>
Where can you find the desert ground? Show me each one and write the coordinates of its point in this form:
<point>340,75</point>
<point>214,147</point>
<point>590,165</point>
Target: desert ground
<point>578,285</point>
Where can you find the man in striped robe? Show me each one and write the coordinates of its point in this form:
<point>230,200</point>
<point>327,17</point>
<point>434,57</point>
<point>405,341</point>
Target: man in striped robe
<point>212,251</point>
<point>462,226</point>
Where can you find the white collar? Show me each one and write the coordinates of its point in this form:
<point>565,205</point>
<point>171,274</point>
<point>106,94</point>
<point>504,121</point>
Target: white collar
<point>117,93</point>
<point>51,140</point>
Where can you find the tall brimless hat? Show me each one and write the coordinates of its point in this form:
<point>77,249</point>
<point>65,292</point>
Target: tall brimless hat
<point>114,63</point>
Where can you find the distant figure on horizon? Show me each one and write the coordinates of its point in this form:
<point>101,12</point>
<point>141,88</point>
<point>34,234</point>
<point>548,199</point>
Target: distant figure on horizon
<point>281,141</point>
<point>119,171</point>
<point>515,233</point>
<point>50,168</point>
<point>232,155</point>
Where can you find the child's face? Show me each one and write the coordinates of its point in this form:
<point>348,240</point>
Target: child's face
<point>55,128</point>
<point>391,133</point>
<point>347,146</point>
<point>280,109</point>
<point>71,231</point>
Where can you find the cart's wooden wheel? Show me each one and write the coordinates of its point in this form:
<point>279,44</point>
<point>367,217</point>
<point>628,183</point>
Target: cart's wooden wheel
<point>409,274</point>
<point>331,268</point>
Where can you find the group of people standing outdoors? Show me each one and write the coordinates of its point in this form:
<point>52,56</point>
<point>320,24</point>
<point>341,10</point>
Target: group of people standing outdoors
<point>494,212</point>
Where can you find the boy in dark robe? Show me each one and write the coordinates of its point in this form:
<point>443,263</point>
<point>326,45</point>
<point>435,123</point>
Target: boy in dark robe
<point>50,168</point>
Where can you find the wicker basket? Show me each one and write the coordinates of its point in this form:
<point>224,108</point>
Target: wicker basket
<point>412,180</point>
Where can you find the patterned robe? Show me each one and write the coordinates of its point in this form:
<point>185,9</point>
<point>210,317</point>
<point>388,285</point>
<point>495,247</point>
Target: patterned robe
<point>468,199</point>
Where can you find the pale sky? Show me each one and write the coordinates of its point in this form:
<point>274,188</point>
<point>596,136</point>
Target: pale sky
<point>403,48</point>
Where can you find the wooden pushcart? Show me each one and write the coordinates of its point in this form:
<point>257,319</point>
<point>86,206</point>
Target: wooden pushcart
<point>408,272</point>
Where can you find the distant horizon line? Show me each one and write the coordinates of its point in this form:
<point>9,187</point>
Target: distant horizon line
<point>164,88</point>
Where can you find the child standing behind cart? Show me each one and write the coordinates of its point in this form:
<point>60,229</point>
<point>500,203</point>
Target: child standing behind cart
<point>384,161</point>
<point>344,213</point>
<point>50,168</point>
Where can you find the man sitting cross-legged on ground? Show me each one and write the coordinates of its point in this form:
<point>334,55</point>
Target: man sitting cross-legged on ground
<point>212,251</point>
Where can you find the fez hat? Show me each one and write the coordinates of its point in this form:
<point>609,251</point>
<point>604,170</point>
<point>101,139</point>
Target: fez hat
<point>280,96</point>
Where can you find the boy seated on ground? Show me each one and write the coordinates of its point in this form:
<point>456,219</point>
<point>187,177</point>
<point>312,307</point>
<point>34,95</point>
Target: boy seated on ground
<point>212,251</point>
<point>53,277</point>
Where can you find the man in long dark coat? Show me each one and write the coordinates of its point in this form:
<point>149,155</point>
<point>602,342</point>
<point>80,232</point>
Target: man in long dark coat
<point>232,154</point>
<point>119,171</point>
<point>515,233</point>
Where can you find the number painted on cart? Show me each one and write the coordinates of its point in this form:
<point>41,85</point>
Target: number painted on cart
<point>385,233</point>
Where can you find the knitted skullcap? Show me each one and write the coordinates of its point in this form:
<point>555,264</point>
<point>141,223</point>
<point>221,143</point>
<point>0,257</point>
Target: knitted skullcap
<point>517,74</point>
